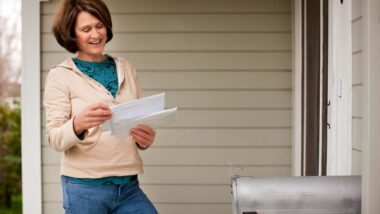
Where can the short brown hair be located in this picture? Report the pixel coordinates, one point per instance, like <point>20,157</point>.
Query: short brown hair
<point>66,15</point>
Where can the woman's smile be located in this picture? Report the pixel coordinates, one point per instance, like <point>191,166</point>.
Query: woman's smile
<point>91,36</point>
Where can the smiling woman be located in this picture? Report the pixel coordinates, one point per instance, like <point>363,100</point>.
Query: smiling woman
<point>74,23</point>
<point>91,35</point>
<point>96,165</point>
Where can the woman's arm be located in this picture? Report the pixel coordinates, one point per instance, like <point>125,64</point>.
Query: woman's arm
<point>59,124</point>
<point>65,130</point>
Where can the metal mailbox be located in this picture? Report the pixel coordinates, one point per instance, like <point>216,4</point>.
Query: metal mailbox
<point>296,195</point>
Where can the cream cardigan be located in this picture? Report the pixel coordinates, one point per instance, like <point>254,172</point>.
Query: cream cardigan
<point>67,92</point>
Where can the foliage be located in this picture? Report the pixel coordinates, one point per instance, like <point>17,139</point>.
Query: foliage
<point>10,71</point>
<point>16,207</point>
<point>10,157</point>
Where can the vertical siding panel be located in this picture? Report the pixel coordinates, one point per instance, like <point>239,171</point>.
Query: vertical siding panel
<point>218,60</point>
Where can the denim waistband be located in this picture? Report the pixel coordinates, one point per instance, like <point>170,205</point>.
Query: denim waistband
<point>103,181</point>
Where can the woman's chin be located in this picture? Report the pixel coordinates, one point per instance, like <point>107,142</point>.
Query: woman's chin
<point>90,55</point>
<point>95,52</point>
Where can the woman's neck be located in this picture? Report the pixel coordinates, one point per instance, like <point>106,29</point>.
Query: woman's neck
<point>91,58</point>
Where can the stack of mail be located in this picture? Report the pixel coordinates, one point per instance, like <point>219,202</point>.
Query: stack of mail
<point>147,111</point>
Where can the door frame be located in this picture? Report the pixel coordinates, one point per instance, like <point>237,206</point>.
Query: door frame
<point>339,149</point>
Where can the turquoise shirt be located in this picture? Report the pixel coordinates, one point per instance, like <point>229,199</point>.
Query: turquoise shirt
<point>105,73</point>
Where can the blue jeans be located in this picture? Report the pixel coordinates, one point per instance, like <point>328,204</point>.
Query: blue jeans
<point>105,199</point>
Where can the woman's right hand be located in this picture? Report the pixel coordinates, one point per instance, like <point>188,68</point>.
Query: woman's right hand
<point>93,115</point>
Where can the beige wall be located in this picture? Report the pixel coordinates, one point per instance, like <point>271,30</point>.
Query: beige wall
<point>371,122</point>
<point>357,87</point>
<point>227,65</point>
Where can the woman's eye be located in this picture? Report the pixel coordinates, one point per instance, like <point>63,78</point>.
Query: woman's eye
<point>99,25</point>
<point>86,29</point>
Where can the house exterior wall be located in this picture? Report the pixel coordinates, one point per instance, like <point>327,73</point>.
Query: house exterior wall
<point>227,65</point>
<point>357,87</point>
<point>371,106</point>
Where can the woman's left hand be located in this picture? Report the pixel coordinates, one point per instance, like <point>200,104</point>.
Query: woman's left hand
<point>143,135</point>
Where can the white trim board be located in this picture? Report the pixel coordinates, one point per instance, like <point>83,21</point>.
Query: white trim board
<point>339,149</point>
<point>297,79</point>
<point>31,108</point>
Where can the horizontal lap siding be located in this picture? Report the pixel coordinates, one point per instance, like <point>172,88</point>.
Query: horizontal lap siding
<point>227,66</point>
<point>195,23</point>
<point>357,87</point>
<point>143,42</point>
<point>218,137</point>
<point>185,6</point>
<point>197,61</point>
<point>161,156</point>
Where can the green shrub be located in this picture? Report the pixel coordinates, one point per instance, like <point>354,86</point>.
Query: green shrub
<point>10,158</point>
<point>16,207</point>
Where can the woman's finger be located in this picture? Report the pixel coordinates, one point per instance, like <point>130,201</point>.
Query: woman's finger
<point>98,112</point>
<point>146,129</point>
<point>99,105</point>
<point>148,137</point>
<point>98,118</point>
<point>139,140</point>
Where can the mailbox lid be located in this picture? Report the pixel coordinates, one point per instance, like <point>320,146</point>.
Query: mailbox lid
<point>331,194</point>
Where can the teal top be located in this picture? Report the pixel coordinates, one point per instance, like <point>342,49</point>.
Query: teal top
<point>105,73</point>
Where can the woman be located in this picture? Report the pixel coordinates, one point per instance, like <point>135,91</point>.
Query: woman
<point>98,171</point>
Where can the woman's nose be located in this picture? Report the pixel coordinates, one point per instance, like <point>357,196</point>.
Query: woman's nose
<point>95,33</point>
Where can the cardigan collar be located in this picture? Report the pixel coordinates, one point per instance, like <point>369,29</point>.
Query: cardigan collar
<point>68,63</point>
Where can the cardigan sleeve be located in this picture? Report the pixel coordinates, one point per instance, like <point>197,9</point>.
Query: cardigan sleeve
<point>59,121</point>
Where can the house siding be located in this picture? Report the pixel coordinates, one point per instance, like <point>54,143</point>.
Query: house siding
<point>357,87</point>
<point>227,66</point>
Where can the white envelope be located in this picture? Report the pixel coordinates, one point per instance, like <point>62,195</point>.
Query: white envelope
<point>155,120</point>
<point>135,108</point>
<point>148,111</point>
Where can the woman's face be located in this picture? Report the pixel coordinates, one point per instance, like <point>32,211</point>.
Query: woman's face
<point>91,37</point>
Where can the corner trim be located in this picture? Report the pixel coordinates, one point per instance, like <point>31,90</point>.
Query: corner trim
<point>339,149</point>
<point>31,108</point>
<point>297,87</point>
